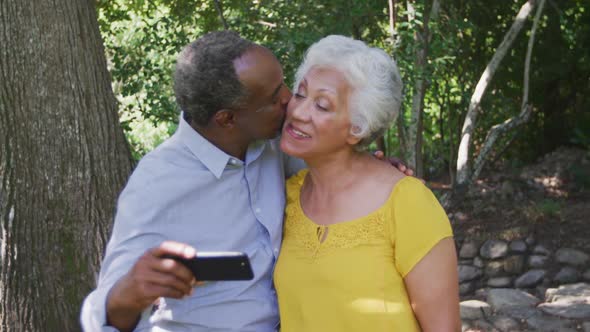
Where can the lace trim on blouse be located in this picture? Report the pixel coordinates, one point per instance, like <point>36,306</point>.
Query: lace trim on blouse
<point>307,235</point>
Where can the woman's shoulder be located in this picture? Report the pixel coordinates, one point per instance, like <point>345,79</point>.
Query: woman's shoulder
<point>384,174</point>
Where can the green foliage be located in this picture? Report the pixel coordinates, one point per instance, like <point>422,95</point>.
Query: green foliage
<point>142,39</point>
<point>549,208</point>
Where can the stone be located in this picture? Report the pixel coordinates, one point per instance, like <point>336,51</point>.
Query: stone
<point>465,326</point>
<point>540,291</point>
<point>469,249</point>
<point>537,261</point>
<point>494,268</point>
<point>530,279</point>
<point>499,282</point>
<point>478,262</point>
<point>465,261</point>
<point>467,273</point>
<point>530,240</point>
<point>571,257</point>
<point>568,301</point>
<point>586,275</point>
<point>580,289</point>
<point>481,293</point>
<point>503,323</point>
<point>514,264</point>
<point>549,324</point>
<point>522,313</point>
<point>482,325</point>
<point>501,298</point>
<point>567,309</point>
<point>518,246</point>
<point>474,309</point>
<point>567,275</point>
<point>492,249</point>
<point>465,288</point>
<point>541,250</point>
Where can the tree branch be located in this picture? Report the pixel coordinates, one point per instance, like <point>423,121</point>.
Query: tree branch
<point>463,175</point>
<point>220,12</point>
<point>525,113</point>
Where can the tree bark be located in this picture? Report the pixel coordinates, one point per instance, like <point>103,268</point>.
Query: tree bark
<point>63,160</point>
<point>463,172</point>
<point>414,137</point>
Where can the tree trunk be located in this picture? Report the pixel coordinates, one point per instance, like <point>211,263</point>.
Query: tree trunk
<point>422,39</point>
<point>63,160</point>
<point>525,112</point>
<point>463,155</point>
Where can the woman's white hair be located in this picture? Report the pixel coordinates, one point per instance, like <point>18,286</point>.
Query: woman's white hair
<point>372,74</point>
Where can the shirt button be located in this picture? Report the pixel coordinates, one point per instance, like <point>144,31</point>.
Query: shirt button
<point>276,250</point>
<point>257,210</point>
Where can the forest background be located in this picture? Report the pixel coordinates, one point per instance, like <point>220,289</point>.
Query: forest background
<point>486,83</point>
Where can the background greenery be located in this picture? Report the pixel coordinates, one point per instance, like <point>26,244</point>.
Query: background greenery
<point>143,37</point>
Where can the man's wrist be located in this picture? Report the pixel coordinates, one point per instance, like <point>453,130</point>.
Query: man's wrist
<point>121,314</point>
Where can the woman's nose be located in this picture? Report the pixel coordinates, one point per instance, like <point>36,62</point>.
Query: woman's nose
<point>298,110</point>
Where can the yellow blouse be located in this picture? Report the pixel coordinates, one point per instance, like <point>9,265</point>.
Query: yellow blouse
<point>353,280</point>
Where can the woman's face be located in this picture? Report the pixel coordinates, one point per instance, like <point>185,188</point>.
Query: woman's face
<point>318,119</point>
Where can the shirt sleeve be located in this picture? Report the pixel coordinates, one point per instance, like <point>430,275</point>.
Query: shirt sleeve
<point>134,232</point>
<point>420,222</point>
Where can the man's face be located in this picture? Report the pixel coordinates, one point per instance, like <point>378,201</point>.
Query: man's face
<point>264,110</point>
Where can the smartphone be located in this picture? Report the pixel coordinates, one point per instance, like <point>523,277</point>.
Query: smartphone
<point>218,265</point>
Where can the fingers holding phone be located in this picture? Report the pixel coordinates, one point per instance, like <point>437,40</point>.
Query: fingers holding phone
<point>169,272</point>
<point>154,275</point>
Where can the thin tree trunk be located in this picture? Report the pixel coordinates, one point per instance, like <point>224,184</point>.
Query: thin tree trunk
<point>414,139</point>
<point>525,112</point>
<point>63,160</point>
<point>401,129</point>
<point>381,144</point>
<point>392,17</point>
<point>463,172</point>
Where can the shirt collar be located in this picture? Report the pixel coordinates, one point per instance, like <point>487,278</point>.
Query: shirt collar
<point>211,156</point>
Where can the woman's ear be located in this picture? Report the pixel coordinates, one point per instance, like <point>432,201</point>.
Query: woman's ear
<point>353,137</point>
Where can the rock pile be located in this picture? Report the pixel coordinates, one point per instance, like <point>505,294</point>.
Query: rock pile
<point>563,309</point>
<point>520,264</point>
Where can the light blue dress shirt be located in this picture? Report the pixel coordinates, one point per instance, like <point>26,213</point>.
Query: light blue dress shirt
<point>188,190</point>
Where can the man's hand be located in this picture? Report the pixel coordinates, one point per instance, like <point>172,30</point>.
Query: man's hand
<point>150,278</point>
<point>395,162</point>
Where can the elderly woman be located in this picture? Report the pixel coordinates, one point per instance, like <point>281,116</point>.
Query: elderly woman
<point>365,248</point>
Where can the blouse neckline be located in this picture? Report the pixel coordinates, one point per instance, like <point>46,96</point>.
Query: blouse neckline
<point>344,222</point>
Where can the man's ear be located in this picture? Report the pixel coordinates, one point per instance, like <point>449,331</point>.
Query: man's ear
<point>224,118</point>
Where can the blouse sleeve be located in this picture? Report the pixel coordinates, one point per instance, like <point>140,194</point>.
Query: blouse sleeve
<point>419,223</point>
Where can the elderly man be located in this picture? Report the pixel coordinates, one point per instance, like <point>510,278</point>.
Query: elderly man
<point>216,185</point>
